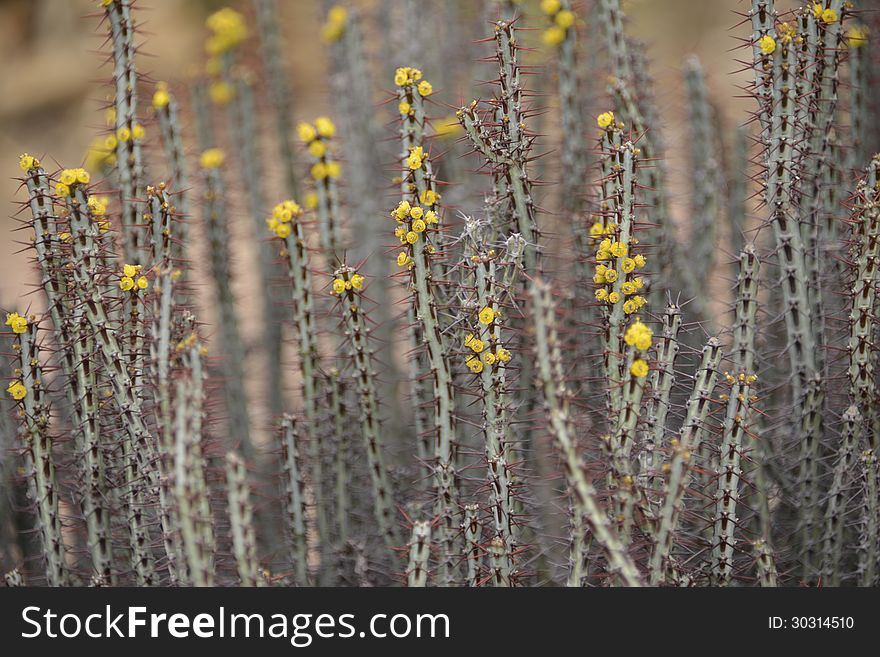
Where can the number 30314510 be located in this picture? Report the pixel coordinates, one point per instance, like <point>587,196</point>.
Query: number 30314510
<point>811,623</point>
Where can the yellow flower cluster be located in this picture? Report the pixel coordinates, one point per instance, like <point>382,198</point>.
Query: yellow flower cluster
<point>447,127</point>
<point>334,28</point>
<point>406,76</point>
<point>315,138</point>
<point>616,274</point>
<point>495,355</point>
<point>282,215</point>
<point>416,157</point>
<point>827,16</point>
<point>227,28</point>
<point>344,283</point>
<point>27,162</point>
<point>130,281</point>
<point>563,20</point>
<point>213,158</point>
<point>136,132</point>
<point>161,97</point>
<point>17,390</point>
<point>412,220</point>
<point>639,336</point>
<point>18,323</point>
<point>98,207</point>
<point>69,178</point>
<point>102,153</point>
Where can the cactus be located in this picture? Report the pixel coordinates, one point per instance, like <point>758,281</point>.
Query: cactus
<point>241,516</point>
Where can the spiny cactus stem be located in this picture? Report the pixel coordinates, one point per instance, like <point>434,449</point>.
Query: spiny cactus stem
<point>683,449</point>
<point>557,404</point>
<point>294,501</point>
<point>44,489</point>
<point>472,531</point>
<point>241,515</point>
<point>419,551</point>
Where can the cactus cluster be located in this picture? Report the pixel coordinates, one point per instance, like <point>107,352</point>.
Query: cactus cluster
<point>508,373</point>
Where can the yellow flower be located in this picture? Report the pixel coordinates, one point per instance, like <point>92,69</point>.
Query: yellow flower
<point>419,226</point>
<point>414,161</point>
<point>283,230</point>
<point>412,237</point>
<point>402,210</point>
<point>28,162</point>
<point>637,281</point>
<point>123,134</point>
<point>357,281</point>
<point>17,390</point>
<point>597,229</point>
<point>477,345</point>
<point>126,283</point>
<point>425,88</point>
<point>628,288</point>
<point>630,306</point>
<point>338,286</point>
<point>403,259</point>
<point>487,315</point>
<point>489,357</point>
<point>18,323</point>
<point>550,7</point>
<point>429,197</point>
<point>611,275</point>
<point>317,148</point>
<point>503,355</point>
<point>221,92</point>
<point>553,36</point>
<point>161,97</point>
<point>319,171</point>
<point>142,282</point>
<point>82,176</point>
<point>605,119</point>
<point>613,297</point>
<point>404,108</point>
<point>110,142</point>
<point>602,294</point>
<point>137,131</point>
<point>640,260</point>
<point>68,177</point>
<point>130,271</point>
<point>311,200</point>
<point>618,249</point>
<point>325,127</point>
<point>829,16</point>
<point>401,76</point>
<point>857,36</point>
<point>416,212</point>
<point>628,265</point>
<point>639,368</point>
<point>431,217</point>
<point>333,169</point>
<point>61,189</point>
<point>306,132</point>
<point>212,158</point>
<point>565,19</point>
<point>337,14</point>
<point>228,29</point>
<point>474,364</point>
<point>638,335</point>
<point>767,44</point>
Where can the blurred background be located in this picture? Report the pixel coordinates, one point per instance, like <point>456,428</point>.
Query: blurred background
<point>55,74</point>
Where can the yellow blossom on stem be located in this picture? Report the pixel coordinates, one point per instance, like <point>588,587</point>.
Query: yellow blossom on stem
<point>123,134</point>
<point>487,315</point>
<point>138,132</point>
<point>639,368</point>
<point>17,390</point>
<point>319,171</point>
<point>640,260</point>
<point>333,169</point>
<point>412,237</point>
<point>553,36</point>
<point>357,281</point>
<point>857,36</point>
<point>311,200</point>
<point>638,335</point>
<point>610,275</point>
<point>325,127</point>
<point>403,259</point>
<point>618,249</point>
<point>161,97</point>
<point>431,217</point>
<point>338,286</point>
<point>126,283</point>
<point>306,132</point>
<point>602,294</point>
<point>317,148</point>
<point>404,108</point>
<point>414,161</point>
<point>142,282</point>
<point>489,358</point>
<point>628,265</point>
<point>18,323</point>
<point>503,355</point>
<point>474,364</point>
<point>212,158</point>
<point>828,16</point>
<point>425,88</point>
<point>28,162</point>
<point>597,230</point>
<point>564,19</point>
<point>613,297</point>
<point>767,44</point>
<point>605,119</point>
<point>429,197</point>
<point>550,7</point>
